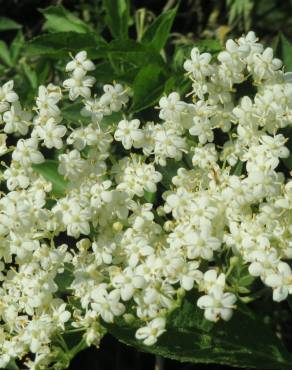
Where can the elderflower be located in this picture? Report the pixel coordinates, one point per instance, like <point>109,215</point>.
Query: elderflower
<point>150,209</point>
<point>152,331</point>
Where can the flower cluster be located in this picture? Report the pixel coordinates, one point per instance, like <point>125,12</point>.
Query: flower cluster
<point>146,211</point>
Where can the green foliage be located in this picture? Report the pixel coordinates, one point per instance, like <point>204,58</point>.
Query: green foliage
<point>158,32</point>
<point>240,9</point>
<point>72,114</point>
<point>49,170</point>
<point>16,48</point>
<point>7,24</point>
<point>285,51</point>
<point>170,172</point>
<point>60,44</point>
<point>117,17</point>
<point>58,19</point>
<point>64,279</point>
<point>245,341</point>
<point>239,277</point>
<point>148,86</point>
<point>132,52</point>
<point>5,54</point>
<point>12,366</point>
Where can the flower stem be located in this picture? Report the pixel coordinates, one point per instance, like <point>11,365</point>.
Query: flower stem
<point>159,363</point>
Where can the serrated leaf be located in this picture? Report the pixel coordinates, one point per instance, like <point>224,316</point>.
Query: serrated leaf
<point>12,365</point>
<point>7,24</point>
<point>133,52</point>
<point>158,32</point>
<point>244,341</point>
<point>148,87</point>
<point>237,170</point>
<point>181,53</point>
<point>287,162</point>
<point>5,54</point>
<point>286,52</point>
<point>246,280</point>
<point>117,17</point>
<point>208,45</point>
<point>169,171</point>
<point>60,44</point>
<point>16,47</point>
<point>105,73</point>
<point>114,118</point>
<point>72,114</point>
<point>31,75</point>
<point>149,197</point>
<point>42,69</point>
<point>59,19</point>
<point>64,279</point>
<point>49,170</point>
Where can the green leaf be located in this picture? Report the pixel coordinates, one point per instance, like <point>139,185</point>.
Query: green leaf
<point>244,341</point>
<point>12,365</point>
<point>133,52</point>
<point>240,10</point>
<point>237,170</point>
<point>286,52</point>
<point>178,82</point>
<point>150,197</point>
<point>42,69</point>
<point>169,171</point>
<point>60,44</point>
<point>114,118</point>
<point>208,45</point>
<point>117,17</point>
<point>104,72</point>
<point>287,162</point>
<point>58,19</point>
<point>158,32</point>
<point>5,54</point>
<point>16,47</point>
<point>181,53</point>
<point>148,87</point>
<point>72,114</point>
<point>7,24</point>
<point>64,279</point>
<point>49,170</point>
<point>31,75</point>
<point>240,276</point>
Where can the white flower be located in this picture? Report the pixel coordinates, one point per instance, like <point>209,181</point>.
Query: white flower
<point>211,279</point>
<point>108,305</point>
<point>80,61</point>
<point>79,84</point>
<point>199,64</point>
<point>205,156</point>
<point>16,120</point>
<point>217,304</point>
<point>201,244</point>
<point>149,334</point>
<point>7,96</point>
<point>47,100</point>
<point>264,64</point>
<point>129,134</point>
<point>71,164</point>
<point>114,97</point>
<point>281,281</point>
<point>51,134</point>
<point>26,152</point>
<point>172,108</point>
<point>127,281</point>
